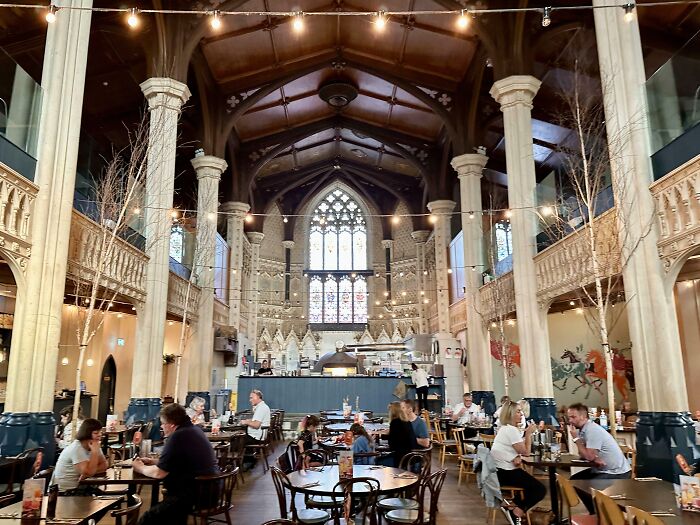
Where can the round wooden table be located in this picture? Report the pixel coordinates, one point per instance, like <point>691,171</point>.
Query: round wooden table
<point>304,481</point>
<point>369,427</point>
<point>223,436</point>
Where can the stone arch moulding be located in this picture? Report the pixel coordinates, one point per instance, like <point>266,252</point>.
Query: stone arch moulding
<point>17,264</point>
<point>675,265</point>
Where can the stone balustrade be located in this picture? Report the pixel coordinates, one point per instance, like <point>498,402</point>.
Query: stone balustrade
<point>458,316</point>
<point>17,196</point>
<point>178,293</point>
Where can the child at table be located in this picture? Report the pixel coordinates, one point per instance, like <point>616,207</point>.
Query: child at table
<point>307,438</point>
<point>362,444</point>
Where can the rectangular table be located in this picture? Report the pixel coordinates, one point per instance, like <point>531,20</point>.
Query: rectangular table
<point>127,477</point>
<point>78,508</point>
<point>566,461</point>
<point>645,495</point>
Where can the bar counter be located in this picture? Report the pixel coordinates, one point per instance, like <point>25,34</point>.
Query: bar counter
<point>311,394</point>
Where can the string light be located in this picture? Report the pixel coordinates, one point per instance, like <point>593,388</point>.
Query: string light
<point>546,16</point>
<point>285,219</point>
<point>629,12</point>
<point>547,211</point>
<point>432,218</point>
<point>51,14</point>
<point>248,218</point>
<point>449,270</point>
<point>471,214</point>
<point>380,21</point>
<point>174,214</point>
<point>463,20</point>
<point>298,22</point>
<point>90,361</point>
<point>215,21</point>
<point>133,18</point>
<point>508,214</point>
<point>395,219</point>
<point>137,211</point>
<point>64,361</point>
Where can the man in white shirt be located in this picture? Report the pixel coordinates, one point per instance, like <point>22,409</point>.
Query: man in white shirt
<point>463,412</point>
<point>255,433</point>
<point>420,379</point>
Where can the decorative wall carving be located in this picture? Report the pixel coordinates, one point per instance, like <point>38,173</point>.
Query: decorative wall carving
<point>17,196</point>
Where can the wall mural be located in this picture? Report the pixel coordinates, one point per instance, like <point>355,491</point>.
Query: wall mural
<point>578,369</point>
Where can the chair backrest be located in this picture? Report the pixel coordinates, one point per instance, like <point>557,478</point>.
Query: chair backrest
<point>487,439</point>
<point>279,521</point>
<point>366,506</point>
<point>416,462</point>
<point>637,516</point>
<point>287,460</point>
<point>9,473</point>
<point>567,493</point>
<point>213,493</point>
<point>431,486</point>
<point>439,437</point>
<point>607,509</point>
<point>314,455</point>
<point>29,465</point>
<point>130,514</point>
<point>279,479</point>
<point>222,451</point>
<point>238,445</point>
<point>458,435</point>
<point>630,454</point>
<point>6,500</point>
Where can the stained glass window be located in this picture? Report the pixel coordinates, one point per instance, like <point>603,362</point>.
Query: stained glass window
<point>504,240</point>
<point>337,243</point>
<point>177,241</point>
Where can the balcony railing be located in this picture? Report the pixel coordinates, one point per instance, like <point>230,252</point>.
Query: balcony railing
<point>17,196</point>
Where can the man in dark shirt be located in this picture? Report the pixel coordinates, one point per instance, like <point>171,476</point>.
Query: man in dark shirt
<point>187,454</point>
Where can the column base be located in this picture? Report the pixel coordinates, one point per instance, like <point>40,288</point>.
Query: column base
<point>543,409</point>
<point>204,395</point>
<point>146,409</point>
<point>660,437</point>
<point>20,431</point>
<point>485,398</point>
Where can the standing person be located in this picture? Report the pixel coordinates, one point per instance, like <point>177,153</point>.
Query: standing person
<point>401,436</point>
<point>362,444</point>
<point>420,429</point>
<point>506,451</point>
<point>420,379</point>
<point>463,412</point>
<point>264,369</point>
<point>81,458</point>
<point>186,455</point>
<point>255,433</point>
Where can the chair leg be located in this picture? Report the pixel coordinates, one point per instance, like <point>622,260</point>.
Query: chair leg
<point>459,479</point>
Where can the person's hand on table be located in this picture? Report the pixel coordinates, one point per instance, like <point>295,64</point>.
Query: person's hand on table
<point>245,422</point>
<point>138,464</point>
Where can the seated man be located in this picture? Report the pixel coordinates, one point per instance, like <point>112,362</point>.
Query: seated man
<point>463,412</point>
<point>255,434</point>
<point>187,454</point>
<point>420,429</point>
<point>596,445</point>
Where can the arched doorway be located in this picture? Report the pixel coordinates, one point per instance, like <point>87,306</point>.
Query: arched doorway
<point>108,384</point>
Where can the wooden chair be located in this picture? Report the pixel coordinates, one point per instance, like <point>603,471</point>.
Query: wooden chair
<point>426,514</point>
<point>447,447</point>
<point>631,455</point>
<point>466,461</point>
<point>6,500</point>
<point>409,501</point>
<point>607,510</point>
<point>121,450</point>
<point>282,485</point>
<point>637,516</point>
<point>130,514</point>
<point>213,495</point>
<point>262,449</point>
<point>569,499</point>
<point>363,509</point>
<point>279,521</point>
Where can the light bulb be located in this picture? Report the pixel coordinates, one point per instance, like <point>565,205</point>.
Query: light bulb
<point>432,218</point>
<point>629,12</point>
<point>248,218</point>
<point>137,211</point>
<point>380,21</point>
<point>426,301</point>
<point>463,20</point>
<point>285,220</point>
<point>449,270</point>
<point>174,214</point>
<point>547,211</point>
<point>508,214</point>
<point>471,214</point>
<point>51,18</point>
<point>90,361</point>
<point>395,220</point>
<point>546,16</point>
<point>133,18</point>
<point>215,21</point>
<point>64,361</point>
<point>298,23</point>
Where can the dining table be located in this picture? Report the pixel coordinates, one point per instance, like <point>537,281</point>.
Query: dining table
<point>223,436</point>
<point>122,473</point>
<point>70,510</point>
<point>369,427</point>
<point>322,480</point>
<point>551,464</point>
<point>650,494</point>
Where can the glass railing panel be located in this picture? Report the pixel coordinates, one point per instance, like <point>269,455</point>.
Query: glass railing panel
<point>20,106</point>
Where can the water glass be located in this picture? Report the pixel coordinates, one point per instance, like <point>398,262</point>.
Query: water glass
<point>145,448</point>
<point>117,471</point>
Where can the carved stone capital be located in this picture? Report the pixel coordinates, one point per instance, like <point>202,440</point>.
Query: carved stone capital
<point>515,90</point>
<point>165,92</point>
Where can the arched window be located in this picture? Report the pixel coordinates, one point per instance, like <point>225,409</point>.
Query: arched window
<point>177,243</point>
<point>338,261</point>
<point>504,240</point>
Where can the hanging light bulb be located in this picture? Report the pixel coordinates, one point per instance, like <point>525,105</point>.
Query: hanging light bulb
<point>380,21</point>
<point>133,18</point>
<point>51,14</point>
<point>508,214</point>
<point>64,361</point>
<point>395,219</point>
<point>298,22</point>
<point>215,21</point>
<point>547,211</point>
<point>546,16</point>
<point>248,218</point>
<point>137,211</point>
<point>471,214</point>
<point>90,361</point>
<point>629,11</point>
<point>463,20</point>
<point>285,219</point>
<point>432,218</point>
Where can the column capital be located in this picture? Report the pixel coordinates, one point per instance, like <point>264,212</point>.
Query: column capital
<point>469,164</point>
<point>288,244</point>
<point>166,92</point>
<point>208,166</point>
<point>235,208</point>
<point>515,90</point>
<point>387,243</point>
<point>255,237</point>
<point>444,207</point>
<point>420,236</point>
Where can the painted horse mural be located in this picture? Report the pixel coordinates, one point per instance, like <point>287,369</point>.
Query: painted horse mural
<point>512,356</point>
<point>591,372</point>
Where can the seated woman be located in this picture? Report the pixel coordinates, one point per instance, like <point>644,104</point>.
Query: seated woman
<point>64,431</point>
<point>307,439</point>
<point>401,437</point>
<point>506,450</point>
<point>81,459</point>
<point>196,411</point>
<point>362,444</point>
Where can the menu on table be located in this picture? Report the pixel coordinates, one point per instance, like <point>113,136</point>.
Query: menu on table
<point>688,493</point>
<point>32,498</point>
<point>345,464</point>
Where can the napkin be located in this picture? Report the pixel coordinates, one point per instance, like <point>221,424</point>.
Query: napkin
<point>405,476</point>
<point>652,478</point>
<point>307,485</point>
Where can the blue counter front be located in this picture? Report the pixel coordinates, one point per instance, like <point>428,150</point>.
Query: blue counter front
<point>308,395</point>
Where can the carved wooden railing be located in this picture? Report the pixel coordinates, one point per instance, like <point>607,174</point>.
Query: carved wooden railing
<point>677,198</point>
<point>17,196</point>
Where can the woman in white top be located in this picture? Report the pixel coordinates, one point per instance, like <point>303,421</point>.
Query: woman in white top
<point>506,450</point>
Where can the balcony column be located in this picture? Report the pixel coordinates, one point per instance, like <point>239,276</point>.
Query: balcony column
<point>420,237</point>
<point>235,221</point>
<point>29,401</point>
<point>664,428</point>
<point>469,168</point>
<point>515,94</point>
<point>209,170</point>
<point>454,378</point>
<point>255,239</point>
<point>165,98</point>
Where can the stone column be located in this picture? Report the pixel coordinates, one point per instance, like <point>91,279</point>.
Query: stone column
<point>469,168</point>
<point>454,379</point>
<point>255,239</point>
<point>420,237</point>
<point>515,94</point>
<point>664,428</point>
<point>209,170</point>
<point>31,376</point>
<point>165,98</point>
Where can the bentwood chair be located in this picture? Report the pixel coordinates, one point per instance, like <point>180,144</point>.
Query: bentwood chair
<point>637,516</point>
<point>130,514</point>
<point>569,499</point>
<point>428,497</point>
<point>282,486</point>
<point>357,510</point>
<point>262,449</point>
<point>607,510</point>
<point>213,495</point>
<point>279,521</point>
